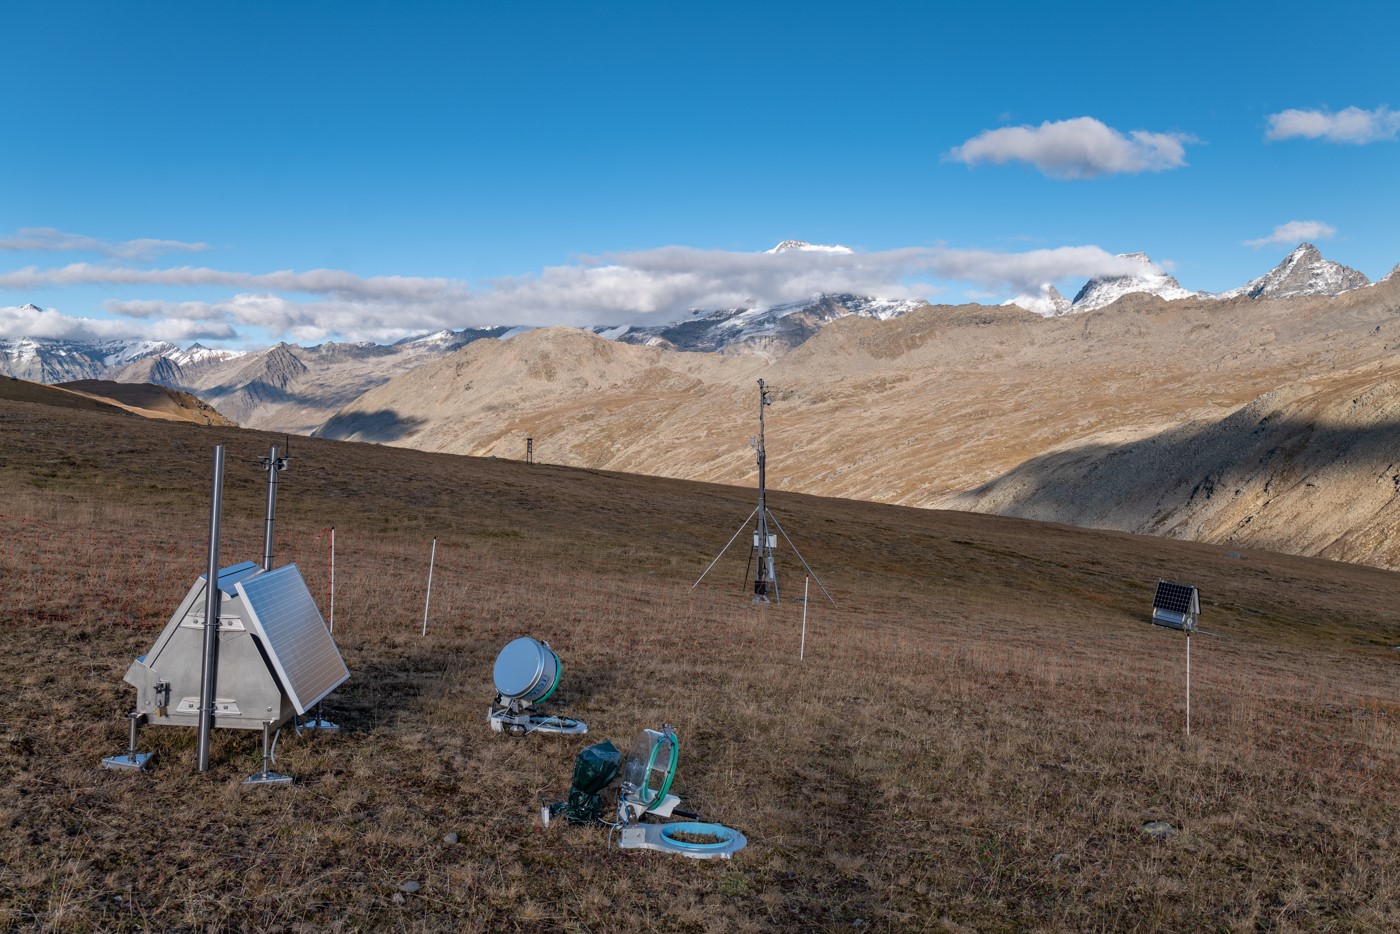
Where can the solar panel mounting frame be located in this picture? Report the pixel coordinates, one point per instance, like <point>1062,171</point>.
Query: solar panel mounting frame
<point>1176,606</point>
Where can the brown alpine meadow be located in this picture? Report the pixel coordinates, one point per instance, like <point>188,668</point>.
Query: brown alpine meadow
<point>981,728</point>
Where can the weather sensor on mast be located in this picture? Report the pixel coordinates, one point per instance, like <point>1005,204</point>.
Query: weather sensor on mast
<point>765,543</point>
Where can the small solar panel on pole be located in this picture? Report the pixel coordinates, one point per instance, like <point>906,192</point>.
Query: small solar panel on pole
<point>1178,606</point>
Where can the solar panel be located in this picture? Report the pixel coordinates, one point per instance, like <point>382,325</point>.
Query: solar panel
<point>295,636</point>
<point>230,576</point>
<point>1179,598</point>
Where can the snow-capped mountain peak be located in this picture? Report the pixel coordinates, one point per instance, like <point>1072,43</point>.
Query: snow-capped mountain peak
<point>802,246</point>
<point>130,351</point>
<point>762,328</point>
<point>1048,302</point>
<point>196,354</point>
<point>1105,290</point>
<point>1302,272</point>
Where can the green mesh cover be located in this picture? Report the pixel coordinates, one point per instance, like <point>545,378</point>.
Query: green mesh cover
<point>594,769</point>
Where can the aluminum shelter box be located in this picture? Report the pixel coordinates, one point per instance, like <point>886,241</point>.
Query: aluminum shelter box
<point>1176,606</point>
<point>276,658</point>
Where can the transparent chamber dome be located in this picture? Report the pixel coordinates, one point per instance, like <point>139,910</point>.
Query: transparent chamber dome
<point>651,765</point>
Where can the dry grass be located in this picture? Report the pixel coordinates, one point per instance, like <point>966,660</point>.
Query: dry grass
<point>980,729</point>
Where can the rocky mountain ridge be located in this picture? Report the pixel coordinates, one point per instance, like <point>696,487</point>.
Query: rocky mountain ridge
<point>978,408</point>
<point>1302,272</point>
<point>766,330</point>
<point>293,388</point>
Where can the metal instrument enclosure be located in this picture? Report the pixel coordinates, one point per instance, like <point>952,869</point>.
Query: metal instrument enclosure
<point>276,658</point>
<point>1176,606</point>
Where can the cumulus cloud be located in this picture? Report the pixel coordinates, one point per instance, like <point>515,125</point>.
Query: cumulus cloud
<point>49,240</point>
<point>1352,125</point>
<point>642,287</point>
<point>1074,149</point>
<point>1293,233</point>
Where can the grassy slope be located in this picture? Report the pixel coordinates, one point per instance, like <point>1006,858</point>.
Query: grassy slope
<point>981,726</point>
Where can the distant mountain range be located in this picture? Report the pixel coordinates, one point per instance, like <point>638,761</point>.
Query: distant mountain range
<point>1303,272</point>
<point>294,388</point>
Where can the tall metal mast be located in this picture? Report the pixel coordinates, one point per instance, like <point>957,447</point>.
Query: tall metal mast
<point>765,543</point>
<point>209,672</point>
<point>765,575</point>
<point>273,465</point>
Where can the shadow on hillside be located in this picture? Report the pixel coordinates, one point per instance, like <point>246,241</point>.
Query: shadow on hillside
<point>384,425</point>
<point>1242,463</point>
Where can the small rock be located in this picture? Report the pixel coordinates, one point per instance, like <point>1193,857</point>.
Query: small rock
<point>410,887</point>
<point>451,837</point>
<point>398,898</point>
<point>1158,829</point>
<point>1057,860</point>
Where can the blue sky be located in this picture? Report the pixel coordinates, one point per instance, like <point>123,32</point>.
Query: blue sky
<point>239,173</point>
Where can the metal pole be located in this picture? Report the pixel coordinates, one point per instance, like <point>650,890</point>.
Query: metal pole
<point>209,676</point>
<point>429,598</point>
<point>332,580</point>
<point>274,465</point>
<point>766,574</point>
<point>802,646</point>
<point>1188,683</point>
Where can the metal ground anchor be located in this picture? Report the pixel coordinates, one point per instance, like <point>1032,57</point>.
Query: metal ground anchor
<point>316,723</point>
<point>132,761</point>
<point>266,776</point>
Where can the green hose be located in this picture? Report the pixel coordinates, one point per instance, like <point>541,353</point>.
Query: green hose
<point>660,796</point>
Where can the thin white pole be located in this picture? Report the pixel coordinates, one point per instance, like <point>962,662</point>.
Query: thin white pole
<point>1188,684</point>
<point>429,598</point>
<point>802,646</point>
<point>332,580</point>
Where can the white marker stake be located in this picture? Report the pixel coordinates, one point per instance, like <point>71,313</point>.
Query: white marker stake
<point>429,598</point>
<point>1188,684</point>
<point>802,646</point>
<point>332,580</point>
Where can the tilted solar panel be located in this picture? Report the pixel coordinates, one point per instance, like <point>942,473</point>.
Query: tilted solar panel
<point>1174,597</point>
<point>285,617</point>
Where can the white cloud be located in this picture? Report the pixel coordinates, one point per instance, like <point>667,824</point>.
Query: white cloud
<point>318,281</point>
<point>47,240</point>
<point>644,287</point>
<point>1078,148</point>
<point>1293,233</point>
<point>1352,125</point>
<point>29,321</point>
